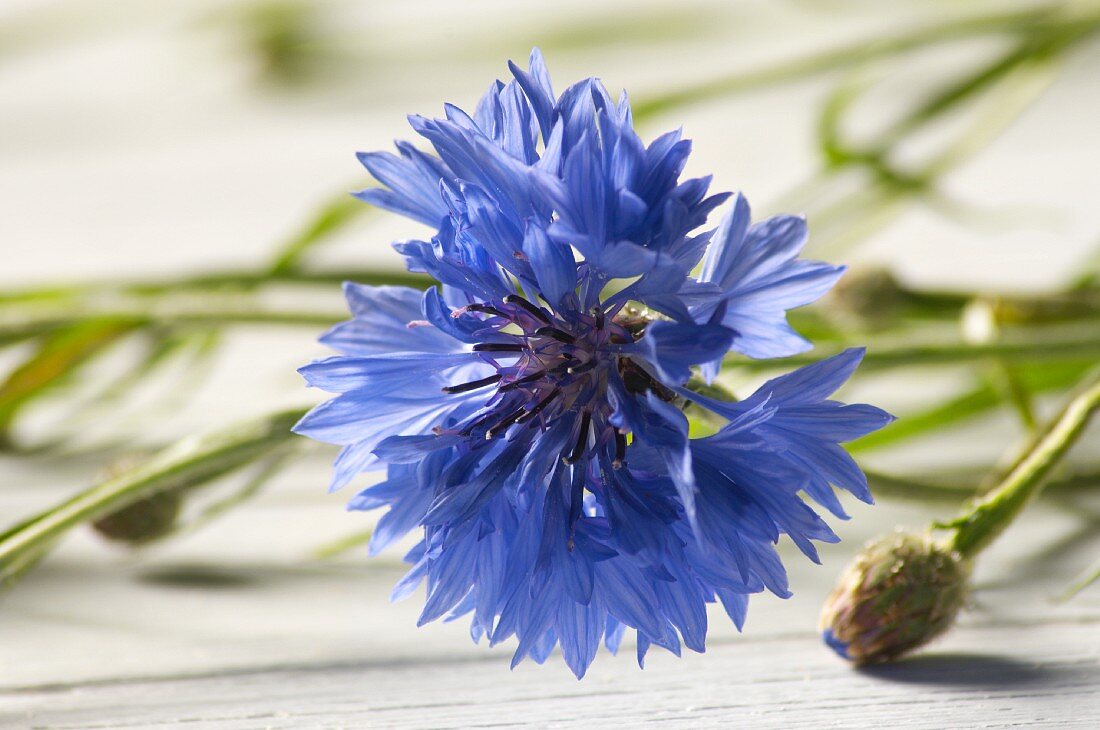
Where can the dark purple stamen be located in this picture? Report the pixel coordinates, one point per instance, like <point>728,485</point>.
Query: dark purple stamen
<point>498,347</point>
<point>525,305</point>
<point>503,424</point>
<point>582,439</point>
<point>557,334</point>
<point>522,381</point>
<point>473,384</point>
<point>620,450</point>
<point>486,309</point>
<point>539,407</point>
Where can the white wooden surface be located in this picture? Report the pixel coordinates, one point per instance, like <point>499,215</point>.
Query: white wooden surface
<point>1046,680</point>
<point>131,140</point>
<point>234,627</point>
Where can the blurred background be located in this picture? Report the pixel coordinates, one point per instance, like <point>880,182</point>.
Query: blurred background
<point>174,223</point>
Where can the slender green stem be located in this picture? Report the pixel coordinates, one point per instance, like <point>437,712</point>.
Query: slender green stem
<point>189,462</point>
<point>1051,348</point>
<point>256,278</point>
<point>987,518</point>
<point>1016,393</point>
<point>225,280</point>
<point>865,50</point>
<point>269,468</point>
<point>955,486</point>
<point>197,317</point>
<point>1087,577</point>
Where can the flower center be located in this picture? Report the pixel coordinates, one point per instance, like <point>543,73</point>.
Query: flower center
<point>552,366</point>
<point>546,366</point>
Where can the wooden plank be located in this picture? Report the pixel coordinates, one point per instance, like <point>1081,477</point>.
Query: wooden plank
<point>1041,676</point>
<point>216,632</point>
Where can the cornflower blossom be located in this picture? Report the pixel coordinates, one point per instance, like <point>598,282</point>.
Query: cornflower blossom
<point>530,410</point>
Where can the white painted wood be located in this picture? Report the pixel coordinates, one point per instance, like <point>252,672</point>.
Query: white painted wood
<point>1044,676</point>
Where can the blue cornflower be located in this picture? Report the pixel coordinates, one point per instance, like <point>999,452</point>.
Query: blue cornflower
<point>529,411</point>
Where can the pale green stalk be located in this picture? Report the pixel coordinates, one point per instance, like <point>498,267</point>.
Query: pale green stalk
<point>987,518</point>
<point>189,462</point>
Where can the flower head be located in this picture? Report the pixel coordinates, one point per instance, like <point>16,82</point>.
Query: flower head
<point>530,410</point>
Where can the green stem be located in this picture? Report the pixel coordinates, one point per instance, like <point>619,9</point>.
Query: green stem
<point>342,545</point>
<point>1052,348</point>
<point>232,280</point>
<point>251,279</point>
<point>863,51</point>
<point>1087,577</point>
<point>1016,392</point>
<point>951,487</point>
<point>987,518</point>
<point>189,462</point>
<point>33,326</point>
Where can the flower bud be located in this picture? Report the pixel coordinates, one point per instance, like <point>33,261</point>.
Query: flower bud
<point>900,592</point>
<point>871,296</point>
<point>145,520</point>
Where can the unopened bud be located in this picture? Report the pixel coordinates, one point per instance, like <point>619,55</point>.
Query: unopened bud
<point>145,520</point>
<point>870,295</point>
<point>900,592</point>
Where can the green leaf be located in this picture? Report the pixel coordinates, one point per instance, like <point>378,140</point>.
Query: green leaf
<point>834,150</point>
<point>1083,581</point>
<point>57,357</point>
<point>981,399</point>
<point>331,218</point>
<point>268,469</point>
<point>1089,279</point>
<point>1016,392</point>
<point>342,545</point>
<point>160,346</point>
<point>950,95</point>
<point>699,425</point>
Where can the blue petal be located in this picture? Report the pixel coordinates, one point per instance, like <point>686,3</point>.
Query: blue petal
<point>385,322</point>
<point>816,382</point>
<point>673,347</point>
<point>553,265</point>
<point>727,246</point>
<point>341,374</point>
<point>413,182</point>
<point>536,85</point>
<point>760,280</point>
<point>353,418</point>
<point>663,427</point>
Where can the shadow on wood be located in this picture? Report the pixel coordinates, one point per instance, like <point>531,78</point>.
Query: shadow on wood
<point>987,672</point>
<point>207,577</point>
